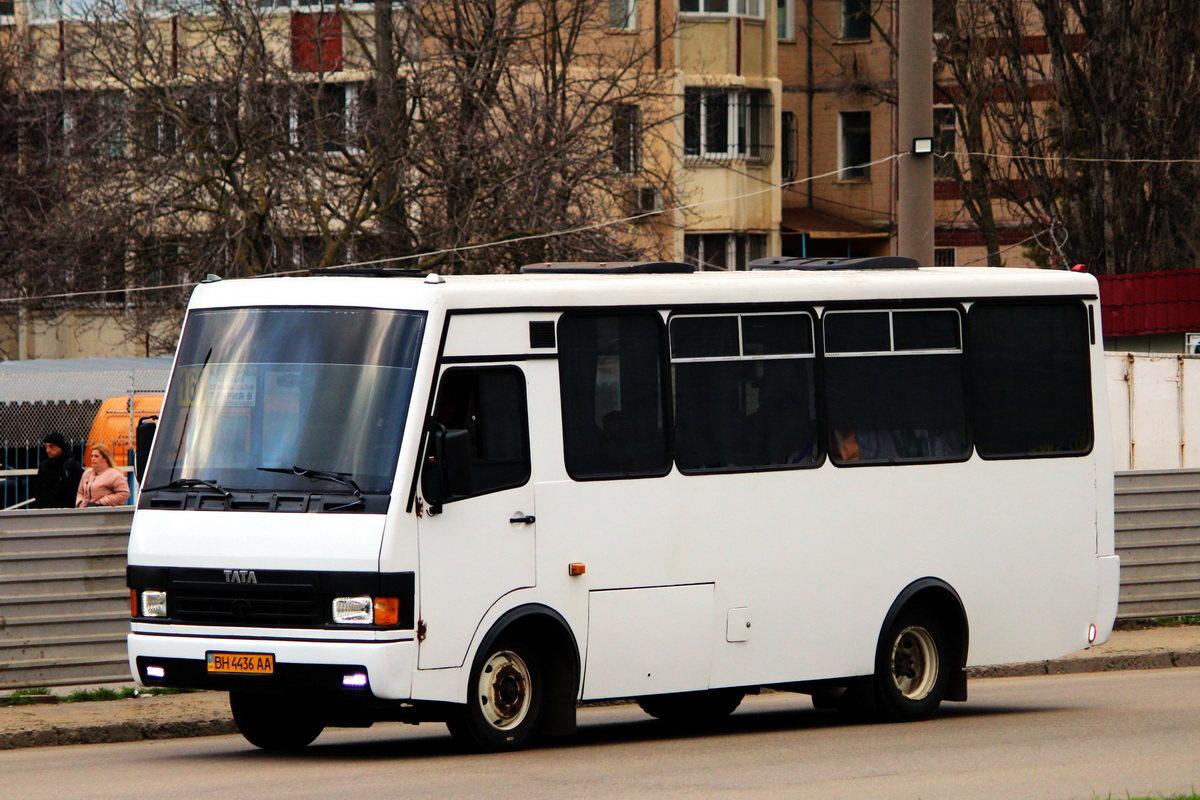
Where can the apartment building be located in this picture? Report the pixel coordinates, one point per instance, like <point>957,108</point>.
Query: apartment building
<point>749,128</point>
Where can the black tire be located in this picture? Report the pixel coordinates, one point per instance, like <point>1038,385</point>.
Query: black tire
<point>912,666</point>
<point>505,696</point>
<point>275,721</point>
<point>692,708</point>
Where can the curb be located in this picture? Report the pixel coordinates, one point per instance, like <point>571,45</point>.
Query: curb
<point>1074,666</point>
<point>116,732</point>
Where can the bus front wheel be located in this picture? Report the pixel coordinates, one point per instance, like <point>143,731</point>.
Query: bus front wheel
<point>504,703</point>
<point>274,722</point>
<point>911,667</point>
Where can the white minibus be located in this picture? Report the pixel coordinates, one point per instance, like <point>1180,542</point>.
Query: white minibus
<point>382,495</point>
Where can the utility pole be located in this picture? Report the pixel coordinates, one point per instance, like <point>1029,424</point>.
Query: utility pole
<point>915,121</point>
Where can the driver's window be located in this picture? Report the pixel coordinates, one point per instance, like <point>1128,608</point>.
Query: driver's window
<point>488,403</point>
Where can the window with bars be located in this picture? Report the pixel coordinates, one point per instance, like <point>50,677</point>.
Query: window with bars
<point>723,251</point>
<point>728,124</point>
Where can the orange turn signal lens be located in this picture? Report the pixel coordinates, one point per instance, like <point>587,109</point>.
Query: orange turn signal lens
<point>387,610</point>
<point>575,570</point>
<point>133,603</point>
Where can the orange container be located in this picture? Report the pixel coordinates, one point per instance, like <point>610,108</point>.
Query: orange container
<point>115,426</point>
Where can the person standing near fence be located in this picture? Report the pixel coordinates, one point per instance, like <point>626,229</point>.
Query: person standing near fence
<point>103,484</point>
<point>57,479</point>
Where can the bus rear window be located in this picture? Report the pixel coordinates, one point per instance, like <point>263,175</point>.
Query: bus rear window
<point>1030,380</point>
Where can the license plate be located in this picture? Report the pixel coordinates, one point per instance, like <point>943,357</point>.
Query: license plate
<point>242,663</point>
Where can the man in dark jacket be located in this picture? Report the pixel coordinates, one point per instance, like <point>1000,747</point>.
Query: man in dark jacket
<point>58,476</point>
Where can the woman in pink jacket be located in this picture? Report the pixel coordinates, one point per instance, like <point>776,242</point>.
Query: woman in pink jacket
<point>103,484</point>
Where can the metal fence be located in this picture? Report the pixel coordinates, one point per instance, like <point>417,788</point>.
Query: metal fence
<point>64,608</point>
<point>102,406</point>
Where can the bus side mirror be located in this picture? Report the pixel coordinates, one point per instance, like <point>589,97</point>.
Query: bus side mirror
<point>447,473</point>
<point>143,438</point>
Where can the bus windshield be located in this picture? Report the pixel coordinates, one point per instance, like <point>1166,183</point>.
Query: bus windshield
<point>258,391</point>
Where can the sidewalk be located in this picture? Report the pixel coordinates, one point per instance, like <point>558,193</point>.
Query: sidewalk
<point>207,713</point>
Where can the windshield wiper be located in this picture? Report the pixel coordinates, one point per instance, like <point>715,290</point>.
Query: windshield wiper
<point>191,483</point>
<point>318,475</point>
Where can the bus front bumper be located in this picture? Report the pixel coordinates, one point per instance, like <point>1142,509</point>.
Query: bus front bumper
<point>380,669</point>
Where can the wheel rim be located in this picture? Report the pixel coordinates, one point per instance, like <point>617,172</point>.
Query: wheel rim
<point>504,690</point>
<point>914,663</point>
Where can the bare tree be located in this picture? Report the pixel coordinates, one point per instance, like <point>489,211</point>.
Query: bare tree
<point>1096,99</point>
<point>156,143</point>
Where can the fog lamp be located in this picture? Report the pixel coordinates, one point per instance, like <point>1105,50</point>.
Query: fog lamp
<point>154,603</point>
<point>353,610</point>
<point>155,672</point>
<point>354,680</point>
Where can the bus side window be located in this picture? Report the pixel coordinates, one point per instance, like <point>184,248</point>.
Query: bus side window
<point>611,383</point>
<point>745,396</point>
<point>488,403</point>
<point>894,386</point>
<point>1030,380</point>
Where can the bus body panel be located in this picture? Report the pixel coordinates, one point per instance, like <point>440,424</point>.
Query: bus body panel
<point>255,540</point>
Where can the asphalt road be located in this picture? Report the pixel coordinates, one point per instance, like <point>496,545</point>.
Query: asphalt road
<point>1066,737</point>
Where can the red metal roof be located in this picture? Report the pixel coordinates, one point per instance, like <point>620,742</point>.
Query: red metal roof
<point>1150,302</point>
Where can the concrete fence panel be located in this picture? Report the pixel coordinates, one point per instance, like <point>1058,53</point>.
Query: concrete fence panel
<point>64,607</point>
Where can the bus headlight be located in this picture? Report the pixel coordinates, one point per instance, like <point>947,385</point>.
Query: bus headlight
<point>353,610</point>
<point>154,603</point>
<point>366,610</point>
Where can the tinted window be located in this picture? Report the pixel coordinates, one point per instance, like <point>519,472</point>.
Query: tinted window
<point>888,405</point>
<point>610,373</point>
<point>754,409</point>
<point>490,405</point>
<point>1030,379</point>
<point>858,332</point>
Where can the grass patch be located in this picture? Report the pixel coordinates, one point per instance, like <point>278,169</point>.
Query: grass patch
<point>1188,796</point>
<point>1158,622</point>
<point>24,697</point>
<point>103,693</point>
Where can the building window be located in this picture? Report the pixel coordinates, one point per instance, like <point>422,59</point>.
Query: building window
<point>727,124</point>
<point>855,144</point>
<point>741,8</point>
<point>627,137</point>
<point>945,139</point>
<point>785,20</point>
<point>320,118</point>
<point>856,19</point>
<point>945,256</point>
<point>622,15</point>
<point>723,251</point>
<point>790,142</point>
<point>7,11</point>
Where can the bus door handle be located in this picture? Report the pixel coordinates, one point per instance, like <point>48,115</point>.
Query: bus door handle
<point>522,519</point>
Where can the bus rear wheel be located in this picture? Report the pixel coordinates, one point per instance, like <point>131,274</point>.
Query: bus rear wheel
<point>274,721</point>
<point>692,708</point>
<point>504,704</point>
<point>911,667</point>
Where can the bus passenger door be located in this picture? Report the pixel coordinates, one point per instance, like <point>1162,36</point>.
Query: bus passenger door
<point>480,545</point>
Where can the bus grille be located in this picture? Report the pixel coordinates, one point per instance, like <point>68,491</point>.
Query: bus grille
<point>255,609</point>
